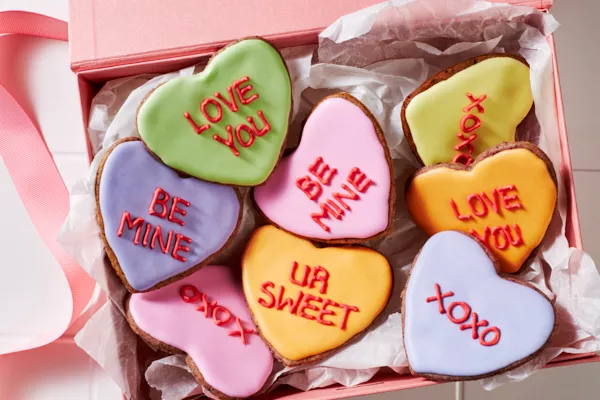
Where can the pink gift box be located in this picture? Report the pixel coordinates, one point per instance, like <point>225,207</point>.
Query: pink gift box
<point>113,39</point>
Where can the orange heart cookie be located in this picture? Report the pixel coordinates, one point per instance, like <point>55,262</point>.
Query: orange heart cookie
<point>308,301</point>
<point>506,198</point>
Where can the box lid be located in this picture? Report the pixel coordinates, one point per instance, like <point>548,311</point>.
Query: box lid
<point>108,33</point>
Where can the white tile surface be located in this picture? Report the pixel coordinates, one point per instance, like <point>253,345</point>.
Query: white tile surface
<point>438,392</point>
<point>587,186</point>
<point>72,167</point>
<point>579,61</point>
<point>59,371</point>
<point>39,77</point>
<point>576,382</point>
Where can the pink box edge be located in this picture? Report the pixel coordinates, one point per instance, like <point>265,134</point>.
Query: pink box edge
<point>94,46</point>
<point>381,382</point>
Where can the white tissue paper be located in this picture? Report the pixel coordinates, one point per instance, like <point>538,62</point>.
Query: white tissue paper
<point>379,55</point>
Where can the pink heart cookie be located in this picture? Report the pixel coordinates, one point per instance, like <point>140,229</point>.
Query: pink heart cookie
<point>336,187</point>
<point>205,316</point>
<point>461,320</point>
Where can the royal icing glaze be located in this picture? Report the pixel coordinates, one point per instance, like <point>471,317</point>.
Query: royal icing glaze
<point>337,181</point>
<point>307,301</point>
<point>475,109</point>
<point>461,319</point>
<point>506,200</point>
<point>157,224</point>
<point>205,316</point>
<point>226,124</point>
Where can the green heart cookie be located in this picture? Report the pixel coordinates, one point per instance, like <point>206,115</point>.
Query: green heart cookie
<point>226,124</point>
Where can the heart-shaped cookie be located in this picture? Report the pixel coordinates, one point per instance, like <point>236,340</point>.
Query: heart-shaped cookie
<point>158,226</point>
<point>338,180</point>
<point>506,198</point>
<point>464,110</point>
<point>226,124</point>
<point>461,320</point>
<point>205,316</point>
<point>308,301</point>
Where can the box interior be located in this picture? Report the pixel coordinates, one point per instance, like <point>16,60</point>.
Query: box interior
<point>90,82</point>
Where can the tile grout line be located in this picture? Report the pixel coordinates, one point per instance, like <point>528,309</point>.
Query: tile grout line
<point>459,391</point>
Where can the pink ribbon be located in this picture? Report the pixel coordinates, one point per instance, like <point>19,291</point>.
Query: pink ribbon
<point>31,165</point>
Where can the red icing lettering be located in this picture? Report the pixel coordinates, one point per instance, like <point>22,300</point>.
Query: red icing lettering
<point>497,233</point>
<point>335,206</point>
<point>179,247</point>
<point>322,171</point>
<point>466,142</point>
<point>265,289</point>
<point>466,312</point>
<point>457,213</point>
<point>160,197</point>
<point>476,123</point>
<point>150,238</point>
<point>350,196</point>
<point>241,332</point>
<point>468,123</point>
<point>495,203</point>
<point>174,210</point>
<point>508,200</point>
<point>319,274</point>
<point>197,129</point>
<point>231,104</point>
<point>302,302</point>
<point>474,325</point>
<point>189,293</point>
<point>266,127</point>
<point>324,311</point>
<point>158,234</point>
<point>250,132</point>
<point>146,235</point>
<point>358,180</point>
<point>306,305</point>
<point>347,310</point>
<point>486,234</point>
<point>137,223</point>
<point>220,315</point>
<point>503,236</point>
<point>518,240</point>
<point>206,306</point>
<point>473,199</point>
<point>464,159</point>
<point>215,114</point>
<point>225,318</point>
<point>492,342</point>
<point>479,202</point>
<point>292,305</point>
<point>241,91</point>
<point>475,103</point>
<point>311,188</point>
<point>203,108</point>
<point>329,209</point>
<point>304,278</point>
<point>229,141</point>
<point>439,297</point>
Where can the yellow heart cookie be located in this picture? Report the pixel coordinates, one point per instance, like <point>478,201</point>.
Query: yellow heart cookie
<point>506,199</point>
<point>464,110</point>
<point>308,301</point>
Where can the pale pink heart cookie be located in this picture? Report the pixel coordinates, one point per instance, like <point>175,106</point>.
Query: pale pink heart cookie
<point>337,185</point>
<point>461,320</point>
<point>205,316</point>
